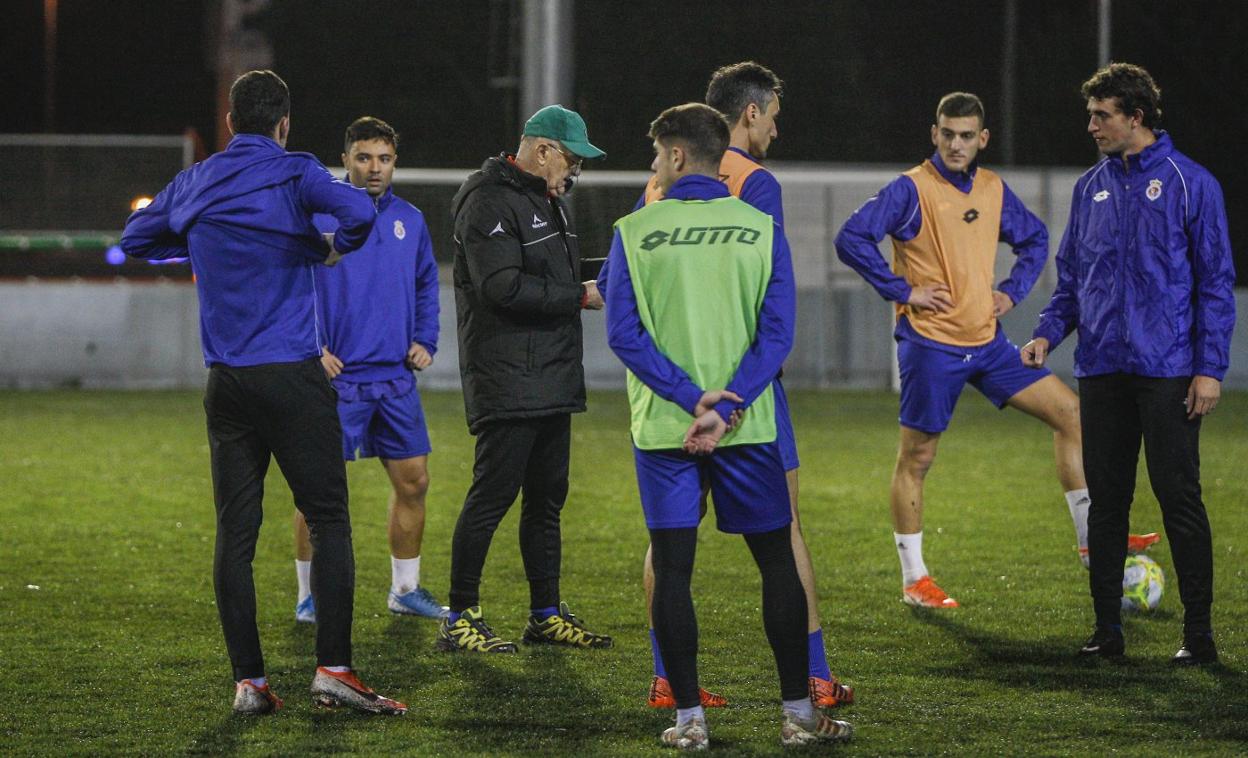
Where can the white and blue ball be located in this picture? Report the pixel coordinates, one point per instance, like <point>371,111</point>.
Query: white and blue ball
<point>1143,581</point>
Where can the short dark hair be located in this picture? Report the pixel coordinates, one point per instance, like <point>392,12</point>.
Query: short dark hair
<point>258,100</point>
<point>368,128</point>
<point>733,88</point>
<point>1131,85</point>
<point>700,129</point>
<point>961,105</point>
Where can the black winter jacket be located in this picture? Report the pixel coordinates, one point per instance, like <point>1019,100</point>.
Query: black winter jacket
<point>517,298</point>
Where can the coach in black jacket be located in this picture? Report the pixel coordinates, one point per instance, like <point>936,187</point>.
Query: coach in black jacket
<point>518,300</point>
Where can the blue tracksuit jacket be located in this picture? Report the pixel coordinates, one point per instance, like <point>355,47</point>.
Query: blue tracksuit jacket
<point>244,216</point>
<point>1144,269</point>
<point>374,304</point>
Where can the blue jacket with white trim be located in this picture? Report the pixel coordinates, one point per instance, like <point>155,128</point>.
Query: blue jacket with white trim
<point>1144,269</point>
<point>373,305</point>
<point>244,216</point>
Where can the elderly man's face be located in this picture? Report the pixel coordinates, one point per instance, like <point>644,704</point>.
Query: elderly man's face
<point>559,165</point>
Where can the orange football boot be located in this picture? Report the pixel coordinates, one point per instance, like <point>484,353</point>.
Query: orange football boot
<point>661,696</point>
<point>1138,543</point>
<point>829,693</point>
<point>926,594</point>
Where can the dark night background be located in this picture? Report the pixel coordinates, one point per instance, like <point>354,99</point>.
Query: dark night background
<point>862,78</point>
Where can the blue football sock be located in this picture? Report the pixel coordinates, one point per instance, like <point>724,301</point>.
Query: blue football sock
<point>258,681</point>
<point>544,613</point>
<point>453,616</point>
<point>658,657</point>
<point>818,658</point>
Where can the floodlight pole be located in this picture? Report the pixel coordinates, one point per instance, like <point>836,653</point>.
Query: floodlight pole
<point>238,49</point>
<point>1009,64</point>
<point>49,65</point>
<point>546,62</point>
<point>1104,28</point>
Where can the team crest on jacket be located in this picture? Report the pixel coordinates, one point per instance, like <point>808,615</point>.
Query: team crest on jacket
<point>399,230</point>
<point>1154,189</point>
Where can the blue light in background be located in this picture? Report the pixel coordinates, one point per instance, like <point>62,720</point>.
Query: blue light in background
<point>114,256</point>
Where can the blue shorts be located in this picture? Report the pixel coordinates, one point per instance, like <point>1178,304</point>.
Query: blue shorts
<point>381,420</point>
<point>747,487</point>
<point>784,428</point>
<point>932,377</point>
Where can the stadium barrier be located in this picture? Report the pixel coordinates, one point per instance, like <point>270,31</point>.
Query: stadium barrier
<point>128,333</point>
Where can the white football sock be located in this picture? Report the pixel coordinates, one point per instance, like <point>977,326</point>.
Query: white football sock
<point>404,574</point>
<point>303,572</point>
<point>685,715</point>
<point>1078,501</point>
<point>802,709</point>
<point>910,551</point>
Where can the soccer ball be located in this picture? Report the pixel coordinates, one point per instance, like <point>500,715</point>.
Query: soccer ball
<point>1142,584</point>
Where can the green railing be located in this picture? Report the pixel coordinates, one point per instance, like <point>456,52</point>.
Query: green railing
<point>59,241</point>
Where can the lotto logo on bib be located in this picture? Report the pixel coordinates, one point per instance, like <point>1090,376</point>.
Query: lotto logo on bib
<point>1154,189</point>
<point>399,230</point>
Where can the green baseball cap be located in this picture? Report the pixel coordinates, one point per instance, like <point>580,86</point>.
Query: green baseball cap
<point>558,123</point>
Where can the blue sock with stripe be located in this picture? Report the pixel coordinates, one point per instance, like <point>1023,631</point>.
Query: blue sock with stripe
<point>818,658</point>
<point>659,670</point>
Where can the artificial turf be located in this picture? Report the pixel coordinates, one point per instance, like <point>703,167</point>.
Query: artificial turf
<point>110,641</point>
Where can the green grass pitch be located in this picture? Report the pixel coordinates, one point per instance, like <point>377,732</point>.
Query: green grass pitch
<point>110,642</point>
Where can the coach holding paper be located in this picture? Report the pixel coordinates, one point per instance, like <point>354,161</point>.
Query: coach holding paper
<point>244,216</point>
<point>518,301</point>
<point>1145,275</point>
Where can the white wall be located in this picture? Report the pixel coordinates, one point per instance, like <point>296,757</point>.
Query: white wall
<point>138,335</point>
<point>125,334</point>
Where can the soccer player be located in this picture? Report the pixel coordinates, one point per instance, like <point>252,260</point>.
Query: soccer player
<point>946,217</point>
<point>748,94</point>
<point>702,311</point>
<point>1145,275</point>
<point>244,216</point>
<point>379,310</point>
<point>518,300</point>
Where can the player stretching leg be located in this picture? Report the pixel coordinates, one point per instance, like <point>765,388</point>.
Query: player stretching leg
<point>748,94</point>
<point>715,311</point>
<point>945,217</point>
<point>380,320</point>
